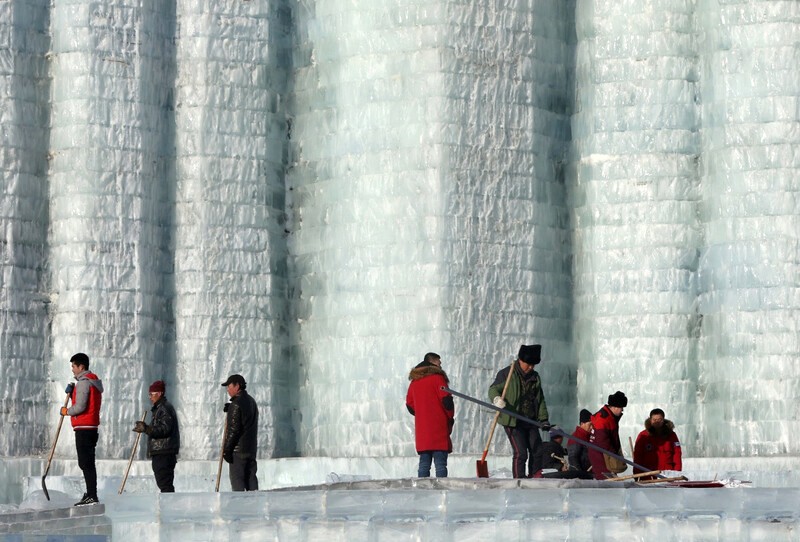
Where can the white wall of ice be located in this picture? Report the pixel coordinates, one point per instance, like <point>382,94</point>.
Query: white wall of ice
<point>24,112</point>
<point>749,272</point>
<point>634,208</point>
<point>230,303</point>
<point>316,193</point>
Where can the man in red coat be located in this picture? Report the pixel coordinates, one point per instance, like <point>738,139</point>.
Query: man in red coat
<point>605,433</point>
<point>658,447</point>
<point>433,412</point>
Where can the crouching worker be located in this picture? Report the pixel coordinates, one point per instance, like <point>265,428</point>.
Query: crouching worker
<point>164,437</point>
<point>552,460</point>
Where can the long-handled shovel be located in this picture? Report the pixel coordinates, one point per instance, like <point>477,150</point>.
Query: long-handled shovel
<point>133,454</point>
<point>554,429</point>
<point>481,465</point>
<point>221,454</point>
<point>53,449</point>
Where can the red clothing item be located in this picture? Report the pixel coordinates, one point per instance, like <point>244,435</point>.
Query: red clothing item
<point>658,449</point>
<point>605,433</point>
<point>89,417</point>
<point>432,408</point>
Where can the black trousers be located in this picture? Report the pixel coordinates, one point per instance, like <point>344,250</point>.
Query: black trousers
<point>243,473</point>
<point>86,444</point>
<point>525,442</point>
<point>164,471</point>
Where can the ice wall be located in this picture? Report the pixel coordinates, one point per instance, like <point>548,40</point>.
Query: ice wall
<point>366,205</point>
<point>504,232</point>
<point>750,268</point>
<point>316,193</point>
<point>231,306</point>
<point>634,209</point>
<point>109,144</point>
<point>429,208</point>
<point>24,298</point>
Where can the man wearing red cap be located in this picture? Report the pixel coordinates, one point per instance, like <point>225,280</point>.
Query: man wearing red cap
<point>164,437</point>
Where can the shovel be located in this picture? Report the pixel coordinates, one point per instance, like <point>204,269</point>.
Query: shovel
<point>133,454</point>
<point>221,454</point>
<point>481,465</point>
<point>53,450</point>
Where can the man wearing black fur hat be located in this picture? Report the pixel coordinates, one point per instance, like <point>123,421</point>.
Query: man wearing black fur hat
<point>524,396</point>
<point>605,433</point>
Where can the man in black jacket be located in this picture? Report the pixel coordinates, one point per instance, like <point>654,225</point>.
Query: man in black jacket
<point>164,437</point>
<point>241,440</point>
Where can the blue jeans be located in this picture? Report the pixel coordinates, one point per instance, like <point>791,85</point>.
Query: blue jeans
<point>439,458</point>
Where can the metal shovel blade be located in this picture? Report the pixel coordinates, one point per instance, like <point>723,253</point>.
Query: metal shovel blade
<point>44,488</point>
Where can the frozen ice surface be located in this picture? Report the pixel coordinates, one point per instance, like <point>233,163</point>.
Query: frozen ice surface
<point>449,509</point>
<point>316,193</point>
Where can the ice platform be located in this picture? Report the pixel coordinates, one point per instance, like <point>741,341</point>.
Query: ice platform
<point>452,509</point>
<point>303,500</point>
<point>69,524</point>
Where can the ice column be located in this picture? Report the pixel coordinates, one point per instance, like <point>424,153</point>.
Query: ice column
<point>427,206</point>
<point>230,274</point>
<point>504,112</point>
<point>111,77</point>
<point>634,207</point>
<point>750,279</point>
<point>24,110</point>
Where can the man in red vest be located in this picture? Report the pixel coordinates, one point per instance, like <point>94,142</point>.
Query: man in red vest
<point>433,412</point>
<point>86,396</point>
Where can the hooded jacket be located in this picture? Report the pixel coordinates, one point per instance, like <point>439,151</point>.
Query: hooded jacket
<point>87,395</point>
<point>432,408</point>
<point>658,449</point>
<point>164,433</point>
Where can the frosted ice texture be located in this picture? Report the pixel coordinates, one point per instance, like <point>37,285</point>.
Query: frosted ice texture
<point>109,202</point>
<point>24,111</point>
<point>613,179</point>
<point>429,182</point>
<point>231,306</point>
<point>749,273</point>
<point>634,209</point>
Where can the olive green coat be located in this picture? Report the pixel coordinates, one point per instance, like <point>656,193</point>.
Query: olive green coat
<point>513,396</point>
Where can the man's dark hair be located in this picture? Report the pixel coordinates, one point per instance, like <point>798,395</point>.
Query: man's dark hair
<point>431,356</point>
<point>80,359</point>
<point>657,411</point>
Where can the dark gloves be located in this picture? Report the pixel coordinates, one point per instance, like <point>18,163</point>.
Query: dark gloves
<point>225,408</point>
<point>227,456</point>
<point>140,427</point>
<point>69,388</point>
<point>450,423</point>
